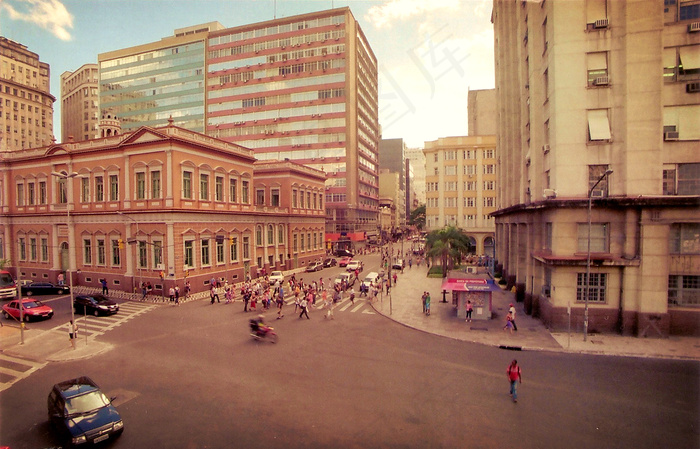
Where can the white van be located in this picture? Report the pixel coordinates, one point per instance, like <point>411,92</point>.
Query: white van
<point>371,278</point>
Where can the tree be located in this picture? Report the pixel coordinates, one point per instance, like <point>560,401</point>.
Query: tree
<point>417,217</point>
<point>4,263</point>
<point>448,245</point>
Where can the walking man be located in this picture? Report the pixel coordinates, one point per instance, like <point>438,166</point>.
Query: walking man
<point>304,305</point>
<point>514,376</point>
<point>512,317</point>
<point>72,333</point>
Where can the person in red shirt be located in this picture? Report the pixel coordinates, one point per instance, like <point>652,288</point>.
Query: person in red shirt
<point>514,375</point>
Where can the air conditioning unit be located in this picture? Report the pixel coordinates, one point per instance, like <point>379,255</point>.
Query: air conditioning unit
<point>692,87</point>
<point>671,135</point>
<point>601,81</point>
<point>545,148</point>
<point>546,291</point>
<point>598,194</point>
<point>694,27</point>
<point>600,23</point>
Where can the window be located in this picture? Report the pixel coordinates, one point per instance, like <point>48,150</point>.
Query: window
<point>20,194</point>
<point>220,254</point>
<point>597,63</point>
<point>233,190</point>
<point>245,192</point>
<point>157,254</point>
<point>42,192</point>
<point>85,190</point>
<point>270,235</point>
<point>548,234</point>
<point>684,238</point>
<point>669,182</point>
<point>142,255</point>
<point>219,188</point>
<point>275,197</point>
<point>62,192</point>
<point>596,287</point>
<point>489,201</point>
<point>435,157</point>
<point>595,172</point>
<point>489,154</point>
<point>689,179</point>
<point>101,255</point>
<point>99,188</point>
<point>258,236</point>
<point>113,188</point>
<point>683,119</point>
<point>450,170</point>
<point>116,253</point>
<point>302,241</point>
<point>599,237</point>
<point>32,248</point>
<point>140,185</point>
<point>295,246</point>
<point>294,198</point>
<point>598,125</point>
<point>684,290</point>
<point>246,248</point>
<point>155,184</point>
<point>44,249</point>
<point>489,169</point>
<point>204,187</point>
<point>260,197</point>
<point>301,200</point>
<point>489,185</point>
<point>234,249</point>
<point>205,252</point>
<point>22,249</point>
<point>30,194</point>
<point>280,234</point>
<point>187,185</point>
<point>87,251</point>
<point>189,253</point>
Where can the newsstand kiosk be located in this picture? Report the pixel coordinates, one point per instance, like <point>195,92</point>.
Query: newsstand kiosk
<point>477,290</point>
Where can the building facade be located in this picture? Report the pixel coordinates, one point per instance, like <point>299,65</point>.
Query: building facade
<point>598,108</point>
<point>156,202</point>
<point>80,103</point>
<point>392,158</point>
<point>26,104</point>
<point>417,189</point>
<point>461,183</point>
<point>390,188</point>
<point>302,88</point>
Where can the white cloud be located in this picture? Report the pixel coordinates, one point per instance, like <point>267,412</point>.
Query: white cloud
<point>51,15</point>
<point>392,10</point>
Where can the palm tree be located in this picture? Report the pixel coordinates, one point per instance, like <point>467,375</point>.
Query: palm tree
<point>449,245</point>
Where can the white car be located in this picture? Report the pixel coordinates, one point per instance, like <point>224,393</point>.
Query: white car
<point>354,265</point>
<point>276,276</point>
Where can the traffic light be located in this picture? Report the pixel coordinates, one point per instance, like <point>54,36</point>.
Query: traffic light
<point>121,243</point>
<point>230,240</point>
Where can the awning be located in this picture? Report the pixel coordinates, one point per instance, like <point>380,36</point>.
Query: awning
<point>468,285</point>
<point>598,124</point>
<point>690,57</point>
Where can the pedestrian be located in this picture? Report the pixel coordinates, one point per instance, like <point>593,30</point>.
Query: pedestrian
<point>280,303</point>
<point>469,311</point>
<point>105,290</point>
<point>514,376</point>
<point>171,293</point>
<point>512,317</point>
<point>61,279</point>
<point>304,306</point>
<point>395,278</point>
<point>509,323</point>
<point>246,298</point>
<point>213,294</point>
<point>177,295</point>
<point>422,300</point>
<point>72,333</point>
<point>187,289</point>
<point>427,304</point>
<point>352,295</point>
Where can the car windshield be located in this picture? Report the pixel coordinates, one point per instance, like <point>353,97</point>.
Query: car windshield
<point>100,299</point>
<point>86,403</point>
<point>31,304</point>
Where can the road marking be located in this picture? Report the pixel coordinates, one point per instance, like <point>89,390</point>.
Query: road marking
<point>11,370</point>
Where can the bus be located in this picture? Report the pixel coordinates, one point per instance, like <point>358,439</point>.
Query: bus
<point>8,287</point>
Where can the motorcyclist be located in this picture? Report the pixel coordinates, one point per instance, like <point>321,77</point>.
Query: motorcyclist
<point>258,326</point>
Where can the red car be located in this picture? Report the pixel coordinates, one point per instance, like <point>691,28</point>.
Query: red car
<point>32,310</point>
<point>343,262</point>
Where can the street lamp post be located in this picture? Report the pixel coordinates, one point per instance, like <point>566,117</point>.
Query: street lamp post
<point>65,176</point>
<point>588,253</point>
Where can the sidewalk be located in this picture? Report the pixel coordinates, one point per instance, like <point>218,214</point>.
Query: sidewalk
<point>405,308</point>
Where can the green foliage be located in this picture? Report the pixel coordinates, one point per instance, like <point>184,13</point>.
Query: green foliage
<point>4,263</point>
<point>417,217</point>
<point>447,245</point>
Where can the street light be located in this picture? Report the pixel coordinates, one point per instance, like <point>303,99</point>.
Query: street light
<point>65,176</point>
<point>588,257</point>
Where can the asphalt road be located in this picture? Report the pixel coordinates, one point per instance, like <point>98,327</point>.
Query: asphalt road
<point>191,377</point>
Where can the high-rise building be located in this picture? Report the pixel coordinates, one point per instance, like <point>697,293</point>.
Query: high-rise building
<point>461,185</point>
<point>80,103</point>
<point>598,137</point>
<point>302,88</point>
<point>26,104</point>
<point>417,188</point>
<point>392,158</point>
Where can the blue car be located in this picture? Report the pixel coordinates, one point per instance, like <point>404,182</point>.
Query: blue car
<point>82,413</point>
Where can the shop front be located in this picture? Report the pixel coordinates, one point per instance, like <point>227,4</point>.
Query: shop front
<point>477,291</point>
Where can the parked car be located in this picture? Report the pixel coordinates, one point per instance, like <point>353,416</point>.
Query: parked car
<point>330,262</point>
<point>81,413</point>
<point>344,253</point>
<point>347,277</point>
<point>354,265</point>
<point>44,288</point>
<point>33,310</point>
<point>276,276</point>
<point>95,305</point>
<point>314,266</point>
<point>343,262</point>
<point>397,265</point>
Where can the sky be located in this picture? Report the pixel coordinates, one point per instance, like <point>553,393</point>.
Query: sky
<point>430,52</point>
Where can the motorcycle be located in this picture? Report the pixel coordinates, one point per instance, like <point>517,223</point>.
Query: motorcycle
<point>262,332</point>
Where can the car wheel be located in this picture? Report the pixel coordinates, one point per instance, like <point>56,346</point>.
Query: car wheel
<point>29,293</point>
<point>96,312</point>
<point>26,318</point>
<point>6,315</point>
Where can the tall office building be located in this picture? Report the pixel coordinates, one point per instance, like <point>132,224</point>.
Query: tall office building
<point>417,188</point>
<point>598,138</point>
<point>392,158</point>
<point>302,88</point>
<point>80,103</point>
<point>26,104</point>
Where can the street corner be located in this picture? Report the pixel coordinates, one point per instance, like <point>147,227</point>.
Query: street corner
<point>83,350</point>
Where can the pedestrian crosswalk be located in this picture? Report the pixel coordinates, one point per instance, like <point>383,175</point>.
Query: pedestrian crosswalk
<point>345,305</point>
<point>14,368</point>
